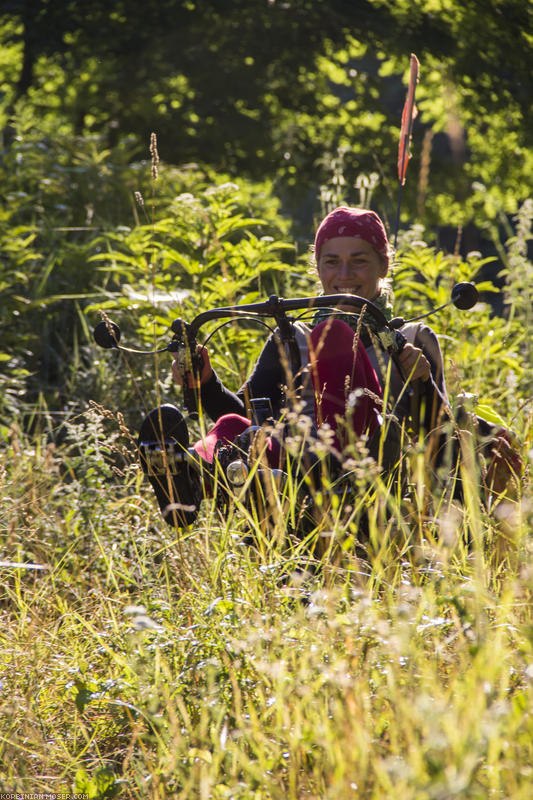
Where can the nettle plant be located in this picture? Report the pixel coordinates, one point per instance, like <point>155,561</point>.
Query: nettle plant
<point>210,245</point>
<point>484,354</point>
<point>84,227</point>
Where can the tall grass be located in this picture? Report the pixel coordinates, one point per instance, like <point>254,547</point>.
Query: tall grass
<point>143,663</point>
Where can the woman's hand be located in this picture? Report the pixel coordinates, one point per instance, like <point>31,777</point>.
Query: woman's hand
<point>205,372</point>
<point>414,363</point>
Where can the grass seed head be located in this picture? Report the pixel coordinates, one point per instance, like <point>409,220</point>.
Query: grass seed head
<point>154,154</point>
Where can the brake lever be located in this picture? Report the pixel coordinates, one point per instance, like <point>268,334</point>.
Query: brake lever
<point>392,341</point>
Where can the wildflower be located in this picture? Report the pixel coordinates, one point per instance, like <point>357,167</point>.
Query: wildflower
<point>140,619</point>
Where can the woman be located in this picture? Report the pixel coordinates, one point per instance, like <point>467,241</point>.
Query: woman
<point>344,377</point>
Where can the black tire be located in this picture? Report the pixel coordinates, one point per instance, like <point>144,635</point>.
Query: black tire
<point>177,488</point>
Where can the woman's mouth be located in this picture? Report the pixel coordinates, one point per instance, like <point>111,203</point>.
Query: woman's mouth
<point>347,289</point>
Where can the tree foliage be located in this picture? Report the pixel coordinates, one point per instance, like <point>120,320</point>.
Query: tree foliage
<point>266,88</point>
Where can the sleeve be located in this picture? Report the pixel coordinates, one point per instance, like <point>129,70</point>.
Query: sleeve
<point>433,392</point>
<point>266,380</point>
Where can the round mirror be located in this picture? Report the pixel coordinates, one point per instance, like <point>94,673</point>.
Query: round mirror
<point>107,335</point>
<point>464,296</point>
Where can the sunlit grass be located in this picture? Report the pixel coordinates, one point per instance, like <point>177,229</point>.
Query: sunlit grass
<point>148,663</point>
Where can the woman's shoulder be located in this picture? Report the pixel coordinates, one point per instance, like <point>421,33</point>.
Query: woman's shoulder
<point>417,333</point>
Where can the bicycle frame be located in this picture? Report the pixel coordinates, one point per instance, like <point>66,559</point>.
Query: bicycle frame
<point>159,455</point>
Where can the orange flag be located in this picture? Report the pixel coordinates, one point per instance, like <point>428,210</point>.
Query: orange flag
<point>408,115</point>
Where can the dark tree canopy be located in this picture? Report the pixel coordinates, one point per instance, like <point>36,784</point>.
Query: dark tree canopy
<point>270,88</point>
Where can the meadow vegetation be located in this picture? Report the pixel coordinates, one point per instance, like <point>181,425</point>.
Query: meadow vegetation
<point>137,661</point>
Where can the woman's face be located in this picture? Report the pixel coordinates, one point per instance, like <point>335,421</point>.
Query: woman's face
<point>350,265</point>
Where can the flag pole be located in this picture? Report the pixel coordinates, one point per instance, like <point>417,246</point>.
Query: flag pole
<point>408,115</point>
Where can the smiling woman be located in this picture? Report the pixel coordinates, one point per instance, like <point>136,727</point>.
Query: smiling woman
<point>335,374</point>
<point>352,252</point>
<point>352,255</point>
<point>350,266</point>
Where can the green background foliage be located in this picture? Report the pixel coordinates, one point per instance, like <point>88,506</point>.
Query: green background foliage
<point>269,89</point>
<point>267,114</point>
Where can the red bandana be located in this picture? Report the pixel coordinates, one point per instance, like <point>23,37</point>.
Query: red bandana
<point>345,221</point>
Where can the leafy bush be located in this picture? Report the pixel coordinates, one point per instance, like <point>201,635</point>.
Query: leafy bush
<point>75,240</point>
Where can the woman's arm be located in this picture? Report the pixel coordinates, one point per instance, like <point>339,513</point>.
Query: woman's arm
<point>433,390</point>
<point>266,380</point>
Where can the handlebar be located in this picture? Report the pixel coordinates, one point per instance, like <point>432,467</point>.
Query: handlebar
<point>183,345</point>
<point>107,333</point>
<point>276,306</point>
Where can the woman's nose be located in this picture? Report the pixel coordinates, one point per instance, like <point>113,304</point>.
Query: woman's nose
<point>344,268</point>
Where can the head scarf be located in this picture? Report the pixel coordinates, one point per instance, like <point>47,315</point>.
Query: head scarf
<point>344,221</point>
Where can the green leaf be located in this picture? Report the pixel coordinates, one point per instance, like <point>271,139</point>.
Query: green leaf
<point>100,786</point>
<point>489,415</point>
